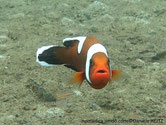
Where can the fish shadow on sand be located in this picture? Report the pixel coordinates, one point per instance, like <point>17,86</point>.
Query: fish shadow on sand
<point>40,92</point>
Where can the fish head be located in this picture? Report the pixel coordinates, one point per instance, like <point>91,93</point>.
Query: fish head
<point>100,73</point>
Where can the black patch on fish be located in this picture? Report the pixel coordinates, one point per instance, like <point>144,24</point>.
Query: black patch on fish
<point>49,56</point>
<point>69,43</point>
<point>71,67</point>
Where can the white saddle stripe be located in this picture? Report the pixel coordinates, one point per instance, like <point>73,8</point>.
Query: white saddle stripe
<point>81,40</point>
<point>92,50</point>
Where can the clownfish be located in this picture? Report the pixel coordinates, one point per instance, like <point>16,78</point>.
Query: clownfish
<point>86,55</point>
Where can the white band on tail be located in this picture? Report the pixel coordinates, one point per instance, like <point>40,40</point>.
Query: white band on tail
<point>81,40</point>
<point>40,51</point>
<point>92,50</point>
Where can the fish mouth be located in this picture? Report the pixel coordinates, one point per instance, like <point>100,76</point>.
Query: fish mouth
<point>101,71</point>
<point>101,75</point>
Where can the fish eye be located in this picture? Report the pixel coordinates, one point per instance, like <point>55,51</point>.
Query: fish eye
<point>91,62</point>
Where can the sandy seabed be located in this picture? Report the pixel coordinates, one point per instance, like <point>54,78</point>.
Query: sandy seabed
<point>134,33</point>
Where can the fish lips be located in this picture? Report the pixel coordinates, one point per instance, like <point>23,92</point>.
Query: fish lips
<point>100,76</point>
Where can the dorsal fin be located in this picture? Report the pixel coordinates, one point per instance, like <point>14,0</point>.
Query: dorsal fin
<point>68,42</point>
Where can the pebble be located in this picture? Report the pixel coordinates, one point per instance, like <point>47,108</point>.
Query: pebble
<point>3,37</point>
<point>55,112</point>
<point>152,32</point>
<point>27,107</point>
<point>50,113</point>
<point>94,9</point>
<point>133,1</point>
<point>97,5</point>
<point>164,71</point>
<point>3,45</point>
<point>138,63</point>
<point>7,118</point>
<point>140,60</point>
<point>106,17</point>
<point>64,6</point>
<point>147,54</point>
<point>10,117</point>
<point>159,55</point>
<point>144,21</point>
<point>2,57</point>
<point>77,93</point>
<point>66,21</point>
<point>95,106</point>
<point>149,99</point>
<point>18,15</point>
<point>155,66</point>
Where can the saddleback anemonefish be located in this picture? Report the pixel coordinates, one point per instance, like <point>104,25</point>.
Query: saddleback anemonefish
<point>83,54</point>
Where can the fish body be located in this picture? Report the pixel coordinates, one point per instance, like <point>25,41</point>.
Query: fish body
<point>86,55</point>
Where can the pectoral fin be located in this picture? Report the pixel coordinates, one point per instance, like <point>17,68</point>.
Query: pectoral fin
<point>78,78</point>
<point>116,74</point>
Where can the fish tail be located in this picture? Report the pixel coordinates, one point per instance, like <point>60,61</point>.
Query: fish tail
<point>50,55</point>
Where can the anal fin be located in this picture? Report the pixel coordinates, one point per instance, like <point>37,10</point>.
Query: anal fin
<point>71,67</point>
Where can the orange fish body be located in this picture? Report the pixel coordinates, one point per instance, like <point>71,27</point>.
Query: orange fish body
<point>83,54</point>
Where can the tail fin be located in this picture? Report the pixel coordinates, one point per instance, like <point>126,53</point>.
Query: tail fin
<point>46,55</point>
